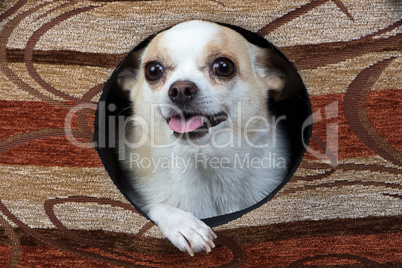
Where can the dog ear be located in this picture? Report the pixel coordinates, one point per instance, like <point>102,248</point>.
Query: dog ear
<point>283,80</point>
<point>128,71</point>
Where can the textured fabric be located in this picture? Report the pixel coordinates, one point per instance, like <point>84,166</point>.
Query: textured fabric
<point>59,207</point>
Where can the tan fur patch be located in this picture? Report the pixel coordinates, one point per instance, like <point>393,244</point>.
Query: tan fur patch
<point>157,51</point>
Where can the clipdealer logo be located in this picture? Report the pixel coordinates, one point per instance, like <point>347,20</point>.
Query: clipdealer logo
<point>120,123</point>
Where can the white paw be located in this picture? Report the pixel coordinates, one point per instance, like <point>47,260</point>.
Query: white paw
<point>183,229</point>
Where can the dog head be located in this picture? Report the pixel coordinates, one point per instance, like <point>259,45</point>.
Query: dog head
<point>200,77</point>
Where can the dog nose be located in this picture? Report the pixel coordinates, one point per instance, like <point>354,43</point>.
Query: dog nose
<point>182,91</point>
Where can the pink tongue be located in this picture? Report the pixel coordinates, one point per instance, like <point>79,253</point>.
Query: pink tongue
<point>183,126</point>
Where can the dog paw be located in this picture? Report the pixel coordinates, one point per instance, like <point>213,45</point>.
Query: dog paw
<point>183,229</point>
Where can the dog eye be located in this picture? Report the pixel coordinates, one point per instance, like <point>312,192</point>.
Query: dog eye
<point>224,67</point>
<point>153,71</point>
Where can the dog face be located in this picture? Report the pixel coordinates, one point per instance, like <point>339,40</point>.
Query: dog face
<point>201,77</point>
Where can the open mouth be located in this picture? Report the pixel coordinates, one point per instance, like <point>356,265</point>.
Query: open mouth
<point>194,125</point>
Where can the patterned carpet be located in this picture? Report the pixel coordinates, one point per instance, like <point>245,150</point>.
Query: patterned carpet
<point>59,207</point>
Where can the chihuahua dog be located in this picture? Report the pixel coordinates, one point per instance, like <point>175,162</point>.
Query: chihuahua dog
<point>202,142</point>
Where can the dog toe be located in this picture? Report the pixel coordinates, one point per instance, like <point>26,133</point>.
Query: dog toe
<point>183,229</point>
<point>197,239</point>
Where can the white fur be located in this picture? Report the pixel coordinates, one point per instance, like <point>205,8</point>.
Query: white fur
<point>184,190</point>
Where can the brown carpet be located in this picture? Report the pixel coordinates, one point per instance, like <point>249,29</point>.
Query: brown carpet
<point>59,207</point>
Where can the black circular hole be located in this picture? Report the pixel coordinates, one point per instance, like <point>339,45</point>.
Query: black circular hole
<point>296,109</point>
